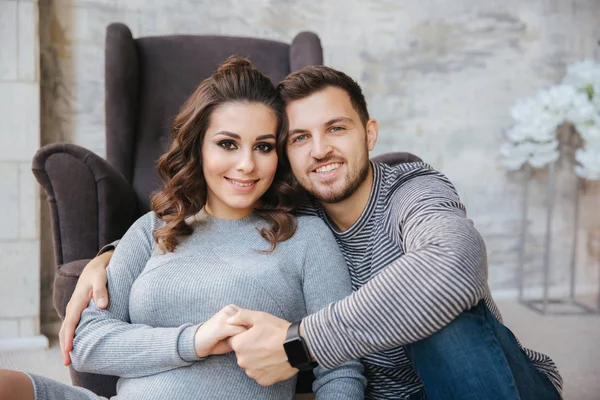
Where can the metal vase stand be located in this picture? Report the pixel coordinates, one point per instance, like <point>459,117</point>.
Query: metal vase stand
<point>547,304</point>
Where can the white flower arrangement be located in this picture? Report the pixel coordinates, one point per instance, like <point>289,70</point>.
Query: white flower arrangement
<point>533,138</point>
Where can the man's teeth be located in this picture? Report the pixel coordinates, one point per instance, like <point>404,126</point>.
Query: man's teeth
<point>328,167</point>
<point>241,184</point>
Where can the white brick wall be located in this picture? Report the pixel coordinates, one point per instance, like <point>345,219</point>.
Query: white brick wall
<point>29,326</point>
<point>28,50</point>
<point>9,328</point>
<point>19,140</point>
<point>8,44</point>
<point>20,281</point>
<point>20,107</point>
<point>9,200</point>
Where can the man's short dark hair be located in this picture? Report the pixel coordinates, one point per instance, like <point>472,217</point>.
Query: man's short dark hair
<point>314,78</point>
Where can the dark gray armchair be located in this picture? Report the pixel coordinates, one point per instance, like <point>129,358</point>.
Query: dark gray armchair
<point>94,201</point>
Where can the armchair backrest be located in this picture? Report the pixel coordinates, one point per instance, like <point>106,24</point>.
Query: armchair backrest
<point>148,79</point>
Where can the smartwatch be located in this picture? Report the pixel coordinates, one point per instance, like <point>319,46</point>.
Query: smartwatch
<point>296,349</point>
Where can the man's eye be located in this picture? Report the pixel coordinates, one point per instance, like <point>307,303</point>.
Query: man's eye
<point>337,128</point>
<point>264,147</point>
<point>227,145</point>
<point>299,138</point>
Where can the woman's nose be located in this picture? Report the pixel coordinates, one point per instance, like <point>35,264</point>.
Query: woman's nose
<point>246,163</point>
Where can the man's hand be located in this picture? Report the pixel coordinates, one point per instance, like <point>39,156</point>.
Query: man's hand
<point>260,349</point>
<point>211,337</point>
<point>91,283</point>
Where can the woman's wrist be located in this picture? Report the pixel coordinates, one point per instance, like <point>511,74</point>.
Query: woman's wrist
<point>200,346</point>
<point>185,344</point>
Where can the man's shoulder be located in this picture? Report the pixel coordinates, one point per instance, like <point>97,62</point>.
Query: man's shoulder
<point>392,174</point>
<point>413,182</point>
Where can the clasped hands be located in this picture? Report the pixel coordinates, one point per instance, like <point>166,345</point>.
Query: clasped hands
<point>256,337</point>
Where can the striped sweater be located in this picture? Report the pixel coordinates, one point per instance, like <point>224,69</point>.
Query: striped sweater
<point>416,262</point>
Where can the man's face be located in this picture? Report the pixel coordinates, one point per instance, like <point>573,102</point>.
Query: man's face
<point>328,145</point>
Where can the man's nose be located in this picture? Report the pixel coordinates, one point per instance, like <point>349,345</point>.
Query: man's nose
<point>320,148</point>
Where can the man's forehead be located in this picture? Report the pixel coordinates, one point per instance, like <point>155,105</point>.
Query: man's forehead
<point>320,107</point>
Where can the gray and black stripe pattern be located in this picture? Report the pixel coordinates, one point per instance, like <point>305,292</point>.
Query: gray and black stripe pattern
<point>419,263</point>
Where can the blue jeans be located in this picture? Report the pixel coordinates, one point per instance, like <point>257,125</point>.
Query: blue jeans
<point>476,357</point>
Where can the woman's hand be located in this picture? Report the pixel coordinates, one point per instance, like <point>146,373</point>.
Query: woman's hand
<point>211,337</point>
<point>91,283</point>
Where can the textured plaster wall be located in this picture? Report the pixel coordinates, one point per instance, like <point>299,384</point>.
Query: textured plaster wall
<point>439,76</point>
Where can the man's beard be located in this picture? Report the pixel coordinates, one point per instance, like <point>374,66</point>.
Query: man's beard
<point>351,183</point>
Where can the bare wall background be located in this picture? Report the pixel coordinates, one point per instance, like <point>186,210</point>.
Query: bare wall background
<point>19,140</point>
<point>439,76</point>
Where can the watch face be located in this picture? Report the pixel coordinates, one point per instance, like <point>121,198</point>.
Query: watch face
<point>296,352</point>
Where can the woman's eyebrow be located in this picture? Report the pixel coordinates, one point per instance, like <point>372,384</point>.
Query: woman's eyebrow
<point>267,136</point>
<point>230,134</point>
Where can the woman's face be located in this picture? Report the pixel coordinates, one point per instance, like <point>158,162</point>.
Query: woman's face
<point>239,159</point>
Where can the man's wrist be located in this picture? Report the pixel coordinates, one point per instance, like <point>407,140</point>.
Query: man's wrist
<point>296,350</point>
<point>307,342</point>
<point>106,256</point>
<point>108,248</point>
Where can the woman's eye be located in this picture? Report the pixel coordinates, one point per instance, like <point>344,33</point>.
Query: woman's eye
<point>264,147</point>
<point>227,145</point>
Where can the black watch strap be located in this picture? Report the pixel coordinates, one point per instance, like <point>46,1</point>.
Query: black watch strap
<point>297,350</point>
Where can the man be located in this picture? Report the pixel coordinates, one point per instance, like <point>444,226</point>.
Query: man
<point>421,318</point>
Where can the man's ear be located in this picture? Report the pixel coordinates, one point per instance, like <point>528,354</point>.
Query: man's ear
<point>372,133</point>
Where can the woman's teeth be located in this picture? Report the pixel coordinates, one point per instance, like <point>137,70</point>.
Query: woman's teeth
<point>241,184</point>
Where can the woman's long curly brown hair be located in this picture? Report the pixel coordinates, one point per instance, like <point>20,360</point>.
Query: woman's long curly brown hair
<point>184,192</point>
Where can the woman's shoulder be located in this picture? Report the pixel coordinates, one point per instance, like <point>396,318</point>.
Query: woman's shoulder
<point>313,228</point>
<point>308,222</point>
<point>147,223</point>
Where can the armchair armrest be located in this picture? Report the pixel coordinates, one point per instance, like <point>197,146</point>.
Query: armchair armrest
<point>91,203</point>
<point>64,284</point>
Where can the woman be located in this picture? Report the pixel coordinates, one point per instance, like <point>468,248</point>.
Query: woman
<point>220,232</point>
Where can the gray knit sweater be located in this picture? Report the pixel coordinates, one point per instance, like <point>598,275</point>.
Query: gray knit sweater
<point>157,300</point>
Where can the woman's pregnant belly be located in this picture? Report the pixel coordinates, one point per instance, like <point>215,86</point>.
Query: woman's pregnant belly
<point>215,378</point>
